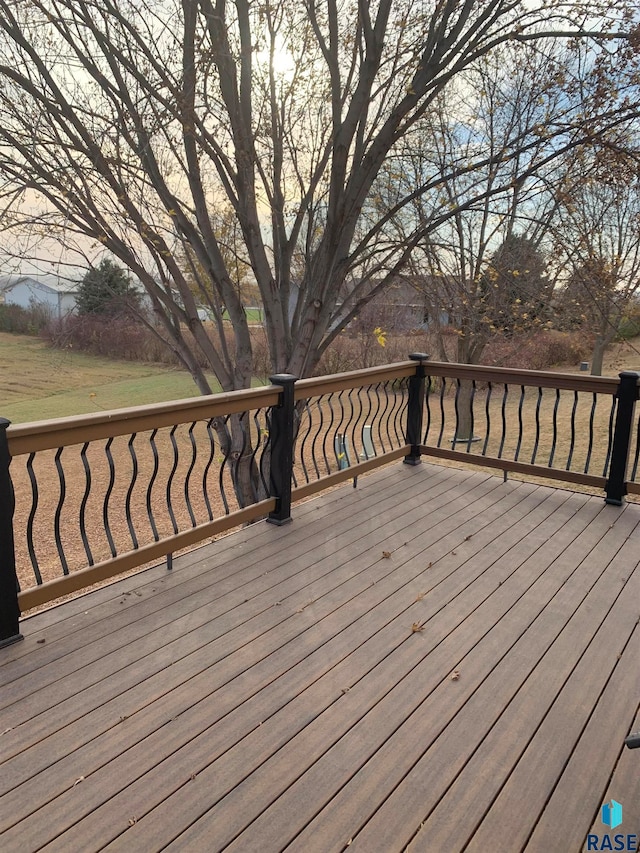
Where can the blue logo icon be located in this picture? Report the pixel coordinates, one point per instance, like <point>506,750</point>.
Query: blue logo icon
<point>612,814</point>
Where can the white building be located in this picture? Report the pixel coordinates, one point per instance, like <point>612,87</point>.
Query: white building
<point>48,290</point>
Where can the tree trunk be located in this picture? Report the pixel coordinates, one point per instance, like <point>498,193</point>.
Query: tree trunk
<point>597,356</point>
<point>464,413</point>
<point>237,446</point>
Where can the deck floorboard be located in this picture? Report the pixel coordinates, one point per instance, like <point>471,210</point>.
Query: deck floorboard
<point>436,660</point>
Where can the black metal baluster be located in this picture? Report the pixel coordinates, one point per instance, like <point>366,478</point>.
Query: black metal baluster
<point>380,409</point>
<point>536,443</point>
<point>105,505</point>
<point>58,512</point>
<point>32,514</point>
<point>487,414</point>
<point>256,445</point>
<point>612,415</point>
<point>134,478</point>
<point>471,415</point>
<point>503,410</point>
<point>339,441</point>
<point>240,460</point>
<point>207,468</point>
<point>327,434</point>
<point>520,424</point>
<point>349,437</point>
<point>591,422</point>
<point>443,384</point>
<point>427,403</point>
<point>172,473</point>
<point>317,434</point>
<point>572,440</point>
<point>399,426</point>
<point>302,442</point>
<point>152,479</point>
<point>187,479</point>
<point>555,428</point>
<point>383,416</point>
<point>265,457</point>
<point>367,422</point>
<point>456,408</point>
<point>83,503</point>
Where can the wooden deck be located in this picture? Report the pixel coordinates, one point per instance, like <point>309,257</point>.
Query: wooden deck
<point>436,660</point>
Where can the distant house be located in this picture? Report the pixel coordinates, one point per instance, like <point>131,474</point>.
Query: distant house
<point>409,303</point>
<point>57,295</point>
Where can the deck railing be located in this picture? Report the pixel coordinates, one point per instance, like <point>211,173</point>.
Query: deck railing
<point>84,499</point>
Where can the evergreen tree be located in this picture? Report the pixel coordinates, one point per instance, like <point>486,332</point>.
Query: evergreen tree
<point>105,289</point>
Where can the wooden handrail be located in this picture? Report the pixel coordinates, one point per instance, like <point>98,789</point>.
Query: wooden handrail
<point>514,376</point>
<point>45,435</point>
<point>317,385</point>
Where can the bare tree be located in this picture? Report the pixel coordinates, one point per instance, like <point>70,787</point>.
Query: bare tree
<point>130,123</point>
<point>597,237</point>
<point>479,260</point>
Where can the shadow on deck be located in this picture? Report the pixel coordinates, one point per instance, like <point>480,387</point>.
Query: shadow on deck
<point>437,660</point>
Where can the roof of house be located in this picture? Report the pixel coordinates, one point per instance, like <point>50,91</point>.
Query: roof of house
<point>45,281</point>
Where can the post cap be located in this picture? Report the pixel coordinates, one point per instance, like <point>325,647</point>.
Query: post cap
<point>419,356</point>
<point>282,378</point>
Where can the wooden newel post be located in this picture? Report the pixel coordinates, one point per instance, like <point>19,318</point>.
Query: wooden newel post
<point>415,409</point>
<point>281,438</point>
<point>627,395</point>
<point>9,609</point>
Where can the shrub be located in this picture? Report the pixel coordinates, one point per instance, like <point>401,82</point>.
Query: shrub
<point>538,350</point>
<point>630,324</point>
<point>24,321</point>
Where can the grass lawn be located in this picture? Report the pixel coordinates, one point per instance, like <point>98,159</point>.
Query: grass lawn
<point>38,382</point>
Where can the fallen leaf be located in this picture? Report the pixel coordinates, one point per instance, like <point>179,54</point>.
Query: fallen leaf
<point>40,642</point>
<point>454,552</point>
<point>6,731</point>
<point>133,821</point>
<point>466,538</point>
<point>78,780</point>
<point>386,554</point>
<point>455,675</point>
<point>417,626</point>
<point>345,689</point>
<point>429,566</point>
<point>420,596</point>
